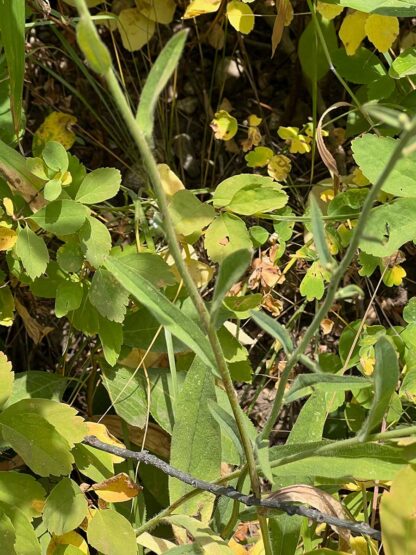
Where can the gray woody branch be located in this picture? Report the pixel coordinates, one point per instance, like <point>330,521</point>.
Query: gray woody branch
<point>356,528</point>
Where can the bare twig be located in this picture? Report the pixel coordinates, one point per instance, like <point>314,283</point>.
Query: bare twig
<point>356,528</point>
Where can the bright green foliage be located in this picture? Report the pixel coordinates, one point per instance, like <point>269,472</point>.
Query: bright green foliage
<point>23,491</point>
<point>65,508</point>
<point>226,234</point>
<point>305,384</point>
<point>32,251</point>
<point>104,287</point>
<point>111,533</point>
<point>189,214</point>
<point>95,241</point>
<point>6,379</point>
<point>68,297</point>
<point>196,440</point>
<point>26,542</point>
<point>92,463</point>
<point>404,64</point>
<point>62,217</point>
<point>98,186</point>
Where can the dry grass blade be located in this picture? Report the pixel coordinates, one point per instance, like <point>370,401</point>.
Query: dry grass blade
<point>279,24</point>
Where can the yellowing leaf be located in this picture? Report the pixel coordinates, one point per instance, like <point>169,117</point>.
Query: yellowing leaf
<point>359,179</point>
<point>236,548</point>
<point>57,126</point>
<point>160,11</point>
<point>117,489</point>
<point>70,538</point>
<point>224,126</point>
<point>297,142</point>
<point>100,432</point>
<point>382,31</point>
<point>8,206</point>
<point>259,157</point>
<point>135,29</point>
<point>258,548</point>
<point>240,16</point>
<point>394,276</point>
<point>6,307</point>
<point>8,237</point>
<point>279,167</point>
<point>328,11</point>
<point>170,181</point>
<point>363,546</point>
<point>201,7</point>
<point>352,31</point>
<point>253,120</point>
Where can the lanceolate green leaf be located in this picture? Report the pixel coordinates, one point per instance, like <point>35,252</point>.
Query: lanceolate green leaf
<point>231,269</point>
<point>398,8</point>
<point>157,80</point>
<point>318,231</point>
<point>274,329</point>
<point>65,508</point>
<point>196,436</point>
<point>12,28</point>
<point>162,309</point>
<point>386,375</point>
<point>305,384</point>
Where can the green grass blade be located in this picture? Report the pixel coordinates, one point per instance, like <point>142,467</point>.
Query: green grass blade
<point>157,80</point>
<point>12,28</point>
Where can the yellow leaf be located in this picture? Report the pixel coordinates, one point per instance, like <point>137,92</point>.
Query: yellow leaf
<point>57,126</point>
<point>259,157</point>
<point>6,308</point>
<point>297,143</point>
<point>352,31</point>
<point>382,31</point>
<point>117,489</point>
<point>257,549</point>
<point>240,16</point>
<point>253,120</point>
<point>328,11</point>
<point>359,179</point>
<point>70,538</point>
<point>170,181</point>
<point>8,237</point>
<point>363,546</point>
<point>160,11</point>
<point>8,206</point>
<point>224,126</point>
<point>279,167</point>
<point>100,432</point>
<point>135,29</point>
<point>236,548</point>
<point>201,7</point>
<point>394,276</point>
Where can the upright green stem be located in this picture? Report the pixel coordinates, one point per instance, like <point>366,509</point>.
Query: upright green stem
<point>338,275</point>
<point>175,250</point>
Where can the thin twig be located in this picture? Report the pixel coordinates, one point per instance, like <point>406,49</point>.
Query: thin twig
<point>356,528</point>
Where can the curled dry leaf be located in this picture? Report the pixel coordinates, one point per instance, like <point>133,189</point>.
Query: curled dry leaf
<point>318,499</point>
<point>34,330</point>
<point>283,19</point>
<point>117,489</point>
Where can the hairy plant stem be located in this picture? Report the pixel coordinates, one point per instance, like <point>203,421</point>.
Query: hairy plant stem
<point>175,250</point>
<point>340,271</point>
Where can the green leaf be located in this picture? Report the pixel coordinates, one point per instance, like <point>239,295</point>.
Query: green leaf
<point>127,390</point>
<point>372,153</point>
<point>150,266</point>
<point>55,156</point>
<point>157,80</point>
<point>7,535</point>
<point>162,406</point>
<point>86,318</point>
<point>23,491</point>
<point>249,194</point>
<point>398,8</point>
<point>189,215</point>
<point>26,540</point>
<point>162,309</point>
<point>99,185</point>
<point>62,217</point>
<point>93,48</point>
<point>52,189</point>
<point>386,375</point>
<point>32,251</point>
<point>409,311</point>
<point>226,234</point>
<point>274,329</point>
<point>318,232</point>
<point>111,533</point>
<point>230,271</point>
<point>68,297</point>
<point>6,306</point>
<point>363,68</point>
<point>236,355</point>
<point>241,306</point>
<point>6,379</point>
<point>95,241</point>
<point>259,235</point>
<point>305,384</point>
<point>69,256</point>
<point>228,426</point>
<point>12,28</point>
<point>96,465</point>
<point>389,227</point>
<point>397,514</point>
<point>312,285</point>
<point>104,286</point>
<point>311,55</point>
<point>196,436</point>
<point>37,384</point>
<point>65,508</point>
<point>203,537</point>
<point>111,337</point>
<point>404,64</point>
<point>41,447</point>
